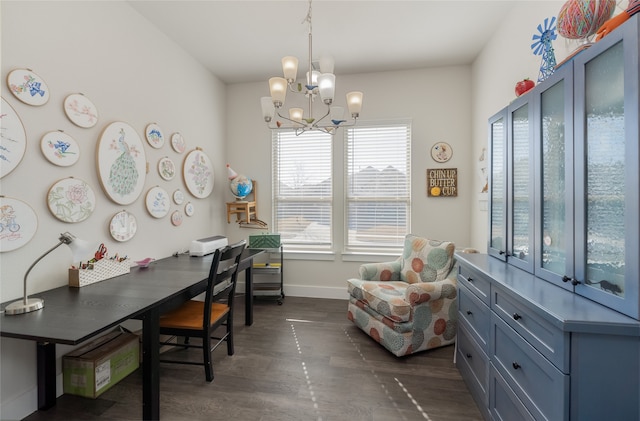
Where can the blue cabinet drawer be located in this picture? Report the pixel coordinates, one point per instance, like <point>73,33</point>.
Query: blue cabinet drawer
<point>542,388</point>
<point>476,283</point>
<point>504,404</point>
<point>473,363</point>
<point>476,314</point>
<point>550,341</point>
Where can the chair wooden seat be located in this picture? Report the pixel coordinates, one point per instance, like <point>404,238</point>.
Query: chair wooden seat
<point>201,319</point>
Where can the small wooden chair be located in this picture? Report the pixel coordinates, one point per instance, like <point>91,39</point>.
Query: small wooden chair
<point>201,319</point>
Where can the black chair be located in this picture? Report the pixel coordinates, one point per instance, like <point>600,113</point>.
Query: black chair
<point>200,319</point>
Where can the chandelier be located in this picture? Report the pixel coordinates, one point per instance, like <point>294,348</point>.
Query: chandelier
<point>317,83</point>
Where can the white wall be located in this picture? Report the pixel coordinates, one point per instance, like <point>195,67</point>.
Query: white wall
<point>132,73</point>
<point>438,102</point>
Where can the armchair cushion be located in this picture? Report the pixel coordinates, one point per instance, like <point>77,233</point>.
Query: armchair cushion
<point>426,260</point>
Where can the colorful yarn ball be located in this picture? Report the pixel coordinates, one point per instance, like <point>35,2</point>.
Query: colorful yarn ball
<point>579,19</point>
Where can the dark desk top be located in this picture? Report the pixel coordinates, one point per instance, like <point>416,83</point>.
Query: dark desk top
<point>73,315</point>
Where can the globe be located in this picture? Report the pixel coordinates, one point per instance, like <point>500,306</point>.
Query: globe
<point>241,186</point>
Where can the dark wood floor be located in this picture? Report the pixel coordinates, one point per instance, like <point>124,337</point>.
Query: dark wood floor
<point>302,360</point>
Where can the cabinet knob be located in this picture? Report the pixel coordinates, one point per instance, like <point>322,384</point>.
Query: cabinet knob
<point>565,278</point>
<point>516,316</point>
<point>516,365</point>
<point>469,312</point>
<point>470,279</point>
<point>501,252</point>
<point>574,281</point>
<point>468,355</point>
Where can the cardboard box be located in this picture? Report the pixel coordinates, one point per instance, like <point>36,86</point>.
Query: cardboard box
<point>93,368</point>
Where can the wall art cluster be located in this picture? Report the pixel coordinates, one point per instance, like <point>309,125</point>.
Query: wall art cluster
<point>121,164</point>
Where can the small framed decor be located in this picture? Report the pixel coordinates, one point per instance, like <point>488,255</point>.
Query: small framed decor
<point>198,173</point>
<point>178,197</point>
<point>122,165</point>
<point>71,200</point>
<point>123,226</point>
<point>28,87</point>
<point>442,182</point>
<point>158,202</point>
<point>154,135</point>
<point>441,152</point>
<point>176,218</point>
<point>189,209</point>
<point>13,139</point>
<point>177,143</point>
<point>80,110</point>
<point>166,168</point>
<point>18,223</point>
<point>59,148</point>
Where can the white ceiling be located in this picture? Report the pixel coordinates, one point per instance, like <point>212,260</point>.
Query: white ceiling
<point>243,41</point>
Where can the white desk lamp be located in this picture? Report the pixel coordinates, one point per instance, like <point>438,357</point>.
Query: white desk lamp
<point>27,305</point>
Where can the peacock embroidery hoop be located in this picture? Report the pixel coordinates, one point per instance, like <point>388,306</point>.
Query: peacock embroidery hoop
<point>121,163</point>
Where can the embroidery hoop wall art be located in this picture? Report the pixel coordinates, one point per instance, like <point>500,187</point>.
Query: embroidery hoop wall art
<point>154,135</point>
<point>59,148</point>
<point>121,163</point>
<point>80,110</point>
<point>198,173</point>
<point>71,200</point>
<point>28,87</point>
<point>158,202</point>
<point>166,168</point>
<point>123,226</point>
<point>441,152</point>
<point>18,223</point>
<point>177,142</point>
<point>13,139</point>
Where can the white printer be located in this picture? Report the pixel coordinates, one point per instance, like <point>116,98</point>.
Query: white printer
<point>207,245</point>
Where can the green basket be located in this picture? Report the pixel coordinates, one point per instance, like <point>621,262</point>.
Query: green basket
<point>264,241</point>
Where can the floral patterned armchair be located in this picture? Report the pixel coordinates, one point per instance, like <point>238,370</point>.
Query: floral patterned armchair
<point>408,305</point>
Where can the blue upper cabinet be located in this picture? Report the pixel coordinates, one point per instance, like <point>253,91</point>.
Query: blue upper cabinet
<point>607,252</point>
<point>572,175</point>
<point>553,155</point>
<point>497,245</point>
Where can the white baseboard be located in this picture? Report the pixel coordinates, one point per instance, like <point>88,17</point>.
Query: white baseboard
<point>308,291</point>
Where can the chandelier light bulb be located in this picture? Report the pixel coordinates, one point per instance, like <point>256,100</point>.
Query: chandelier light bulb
<point>354,102</point>
<point>327,87</point>
<point>278,88</point>
<point>268,109</point>
<point>296,114</point>
<point>290,68</point>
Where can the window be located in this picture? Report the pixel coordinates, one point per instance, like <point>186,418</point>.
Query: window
<point>375,193</point>
<point>303,189</point>
<point>377,186</point>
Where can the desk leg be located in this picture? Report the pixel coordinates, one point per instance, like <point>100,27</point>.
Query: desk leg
<point>151,366</point>
<point>248,295</point>
<point>46,355</point>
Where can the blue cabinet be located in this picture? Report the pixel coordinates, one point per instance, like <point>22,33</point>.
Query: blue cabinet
<point>550,316</point>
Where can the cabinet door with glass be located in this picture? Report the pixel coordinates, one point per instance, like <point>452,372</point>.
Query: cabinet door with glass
<point>606,181</point>
<point>553,134</point>
<point>520,193</point>
<point>497,244</point>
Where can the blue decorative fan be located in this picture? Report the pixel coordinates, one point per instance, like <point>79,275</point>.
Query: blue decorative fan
<point>542,46</point>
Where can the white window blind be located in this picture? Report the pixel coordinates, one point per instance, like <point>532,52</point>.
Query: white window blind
<point>377,186</point>
<point>302,188</point>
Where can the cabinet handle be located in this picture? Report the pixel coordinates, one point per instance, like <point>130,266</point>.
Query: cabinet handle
<point>468,355</point>
<point>469,312</point>
<point>516,365</point>
<point>516,316</point>
<point>574,281</point>
<point>470,279</point>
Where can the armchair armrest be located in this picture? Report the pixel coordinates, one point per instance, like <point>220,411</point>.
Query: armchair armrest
<point>423,292</point>
<point>385,271</point>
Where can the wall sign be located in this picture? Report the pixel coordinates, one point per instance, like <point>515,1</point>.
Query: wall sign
<point>442,182</point>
